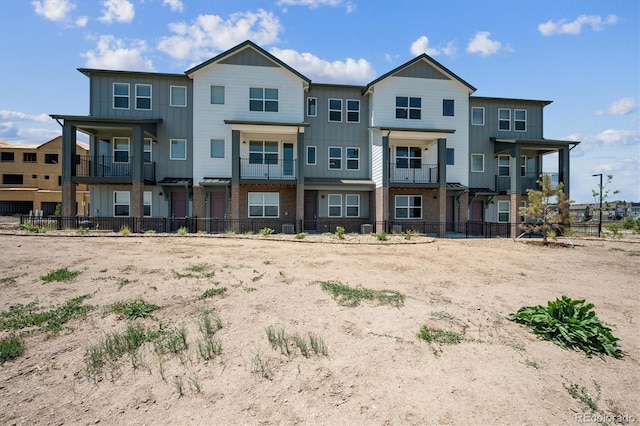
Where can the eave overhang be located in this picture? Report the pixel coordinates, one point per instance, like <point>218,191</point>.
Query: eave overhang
<point>541,145</point>
<point>414,133</point>
<point>267,127</point>
<point>97,125</point>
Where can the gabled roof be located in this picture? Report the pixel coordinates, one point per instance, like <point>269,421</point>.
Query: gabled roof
<point>247,45</point>
<point>430,61</point>
<point>88,71</point>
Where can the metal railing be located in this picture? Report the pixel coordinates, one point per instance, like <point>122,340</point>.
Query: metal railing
<point>413,173</point>
<point>267,169</point>
<point>528,181</point>
<point>107,166</point>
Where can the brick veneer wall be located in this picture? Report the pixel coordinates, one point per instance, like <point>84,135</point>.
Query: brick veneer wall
<point>430,206</point>
<point>287,199</point>
<point>199,204</point>
<point>68,198</point>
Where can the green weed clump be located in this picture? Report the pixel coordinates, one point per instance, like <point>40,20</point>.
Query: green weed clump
<point>216,291</point>
<point>10,347</point>
<point>132,309</point>
<point>264,232</point>
<point>570,324</point>
<point>350,296</point>
<point>33,315</point>
<point>445,337</point>
<point>29,227</point>
<point>62,274</point>
<point>381,236</point>
<point>340,232</point>
<point>125,231</point>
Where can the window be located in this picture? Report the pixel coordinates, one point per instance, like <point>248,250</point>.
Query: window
<point>9,179</point>
<point>59,180</point>
<point>121,95</point>
<point>262,99</point>
<point>264,204</point>
<point>311,156</point>
<point>312,107</point>
<point>263,152</point>
<point>353,111</point>
<point>335,205</point>
<point>503,211</point>
<point>51,158</point>
<point>408,206</point>
<point>148,143</point>
<point>353,158</point>
<point>503,165</point>
<point>520,120</point>
<point>408,108</point>
<point>143,96</point>
<point>120,150</point>
<point>477,162</point>
<point>408,157</point>
<point>121,202</point>
<point>217,148</point>
<point>335,157</point>
<point>7,157</point>
<point>46,177</point>
<point>178,149</point>
<point>523,165</point>
<point>217,95</point>
<point>504,119</point>
<point>29,157</point>
<point>451,155</point>
<point>34,176</point>
<point>335,110</point>
<point>178,96</point>
<point>448,107</point>
<point>477,116</point>
<point>146,203</point>
<point>352,205</point>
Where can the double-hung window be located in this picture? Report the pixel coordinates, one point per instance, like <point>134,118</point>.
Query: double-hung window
<point>504,119</point>
<point>408,108</point>
<point>178,149</point>
<point>352,205</point>
<point>143,96</point>
<point>121,95</point>
<point>264,204</point>
<point>408,206</point>
<point>120,150</point>
<point>335,205</point>
<point>335,110</point>
<point>148,157</point>
<point>146,203</point>
<point>408,157</point>
<point>503,165</point>
<point>312,107</point>
<point>523,165</point>
<point>477,116</point>
<point>503,211</point>
<point>178,96</point>
<point>121,203</point>
<point>520,120</point>
<point>353,111</point>
<point>263,152</point>
<point>263,99</point>
<point>353,158</point>
<point>477,162</point>
<point>335,158</point>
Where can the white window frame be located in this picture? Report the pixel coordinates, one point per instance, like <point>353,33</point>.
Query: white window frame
<point>224,94</point>
<point>263,99</point>
<point>350,160</point>
<point>508,165</point>
<point>502,210</point>
<point>408,207</point>
<point>351,111</point>
<point>330,110</point>
<point>337,205</point>
<point>122,202</point>
<point>477,108</point>
<point>171,101</point>
<point>481,156</point>
<point>148,142</point>
<point>408,108</point>
<point>224,143</point>
<point>262,204</point>
<point>315,105</point>
<point>128,150</point>
<point>334,158</point>
<point>523,165</point>
<point>143,97</point>
<point>315,155</point>
<point>266,155</point>
<point>517,120</point>
<point>147,200</point>
<point>171,142</point>
<point>508,120</point>
<point>128,95</point>
<point>348,204</point>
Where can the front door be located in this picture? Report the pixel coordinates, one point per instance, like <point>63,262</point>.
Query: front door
<point>310,210</point>
<point>178,210</point>
<point>218,201</point>
<point>450,213</point>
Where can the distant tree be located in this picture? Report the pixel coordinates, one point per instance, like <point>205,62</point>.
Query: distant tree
<point>548,209</point>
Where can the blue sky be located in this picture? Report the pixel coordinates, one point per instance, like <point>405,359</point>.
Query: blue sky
<point>582,55</point>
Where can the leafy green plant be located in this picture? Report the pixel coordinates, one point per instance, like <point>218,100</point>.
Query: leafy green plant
<point>349,296</point>
<point>433,335</point>
<point>301,236</point>
<point>216,291</point>
<point>8,280</point>
<point>264,232</point>
<point>11,347</point>
<point>381,236</point>
<point>582,395</point>
<point>62,274</point>
<point>340,232</point>
<point>29,227</point>
<point>24,316</point>
<point>570,324</point>
<point>133,309</point>
<point>614,228</point>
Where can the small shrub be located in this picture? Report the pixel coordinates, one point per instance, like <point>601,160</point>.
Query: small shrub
<point>29,227</point>
<point>133,309</point>
<point>381,236</point>
<point>264,232</point>
<point>24,316</point>
<point>125,231</point>
<point>301,236</point>
<point>614,228</point>
<point>10,347</point>
<point>62,274</point>
<point>183,231</point>
<point>340,232</point>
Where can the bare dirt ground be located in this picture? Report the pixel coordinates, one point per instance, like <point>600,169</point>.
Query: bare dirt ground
<point>376,370</point>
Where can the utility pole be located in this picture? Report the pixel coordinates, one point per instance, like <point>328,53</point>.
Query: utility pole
<point>600,191</point>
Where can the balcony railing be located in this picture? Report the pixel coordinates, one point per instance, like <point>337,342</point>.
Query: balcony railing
<point>267,169</point>
<point>105,166</point>
<point>413,173</point>
<point>528,181</point>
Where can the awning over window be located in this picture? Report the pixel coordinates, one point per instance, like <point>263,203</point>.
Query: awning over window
<point>215,182</point>
<point>169,181</point>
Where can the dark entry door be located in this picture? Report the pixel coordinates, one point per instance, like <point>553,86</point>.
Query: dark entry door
<point>310,210</point>
<point>218,202</point>
<point>287,163</point>
<point>178,210</point>
<point>450,213</point>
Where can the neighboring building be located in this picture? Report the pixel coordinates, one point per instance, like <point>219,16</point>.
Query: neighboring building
<point>245,140</point>
<point>32,179</point>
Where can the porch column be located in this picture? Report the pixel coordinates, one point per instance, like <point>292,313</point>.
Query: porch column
<point>234,212</point>
<point>68,170</point>
<point>302,154</point>
<point>442,187</point>
<point>382,212</point>
<point>137,173</point>
<point>563,168</point>
<point>515,190</point>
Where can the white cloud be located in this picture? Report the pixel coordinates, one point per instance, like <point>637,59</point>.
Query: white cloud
<point>358,71</point>
<point>82,21</point>
<point>112,53</point>
<point>421,45</point>
<point>118,11</point>
<point>8,116</point>
<point>622,106</point>
<point>312,4</point>
<point>9,132</point>
<point>616,137</point>
<point>482,44</point>
<point>53,10</point>
<point>596,22</point>
<point>175,5</point>
<point>210,34</point>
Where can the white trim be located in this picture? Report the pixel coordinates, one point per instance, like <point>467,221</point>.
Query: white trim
<point>150,151</point>
<point>408,206</point>
<point>516,120</point>
<point>347,205</point>
<point>128,203</point>
<point>329,109</point>
<point>150,204</point>
<point>171,103</point>
<point>113,140</point>
<point>347,110</point>
<point>329,205</point>
<point>482,168</point>
<point>171,141</point>
<point>504,119</point>
<point>113,93</point>
<point>263,205</point>
<point>307,107</point>
<point>329,157</point>
<point>136,97</point>
<point>502,210</point>
<point>508,165</point>
<point>346,154</point>
<point>315,150</point>
<point>480,108</point>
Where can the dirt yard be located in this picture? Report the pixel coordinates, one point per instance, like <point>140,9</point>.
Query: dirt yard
<point>375,369</point>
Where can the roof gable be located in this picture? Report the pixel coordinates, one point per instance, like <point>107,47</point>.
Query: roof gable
<point>422,69</point>
<point>248,57</point>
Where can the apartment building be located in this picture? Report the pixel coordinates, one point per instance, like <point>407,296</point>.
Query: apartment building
<point>243,141</point>
<point>32,179</point>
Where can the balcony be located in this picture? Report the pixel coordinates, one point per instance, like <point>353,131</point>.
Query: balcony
<point>105,167</point>
<point>528,181</point>
<point>268,169</point>
<point>417,173</point>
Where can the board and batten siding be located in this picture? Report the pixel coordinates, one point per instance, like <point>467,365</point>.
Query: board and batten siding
<point>432,92</point>
<point>208,120</point>
<point>376,157</point>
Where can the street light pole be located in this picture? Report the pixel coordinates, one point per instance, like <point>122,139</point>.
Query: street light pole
<point>600,191</point>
